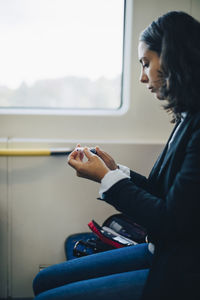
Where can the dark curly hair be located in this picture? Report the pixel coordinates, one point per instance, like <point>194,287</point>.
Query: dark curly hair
<point>175,36</point>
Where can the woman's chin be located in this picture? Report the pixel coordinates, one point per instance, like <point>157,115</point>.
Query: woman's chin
<point>159,96</point>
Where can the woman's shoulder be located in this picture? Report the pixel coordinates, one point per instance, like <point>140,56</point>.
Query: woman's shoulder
<point>194,129</point>
<point>195,119</point>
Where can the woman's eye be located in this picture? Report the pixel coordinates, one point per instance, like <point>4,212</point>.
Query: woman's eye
<point>146,65</point>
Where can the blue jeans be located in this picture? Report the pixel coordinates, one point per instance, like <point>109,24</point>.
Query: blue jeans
<point>116,274</point>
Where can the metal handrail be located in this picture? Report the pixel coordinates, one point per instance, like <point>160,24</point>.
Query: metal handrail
<point>35,152</point>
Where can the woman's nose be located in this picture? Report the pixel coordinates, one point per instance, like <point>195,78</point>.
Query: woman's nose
<point>143,77</point>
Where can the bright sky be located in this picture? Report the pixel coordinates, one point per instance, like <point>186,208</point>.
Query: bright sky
<point>54,38</point>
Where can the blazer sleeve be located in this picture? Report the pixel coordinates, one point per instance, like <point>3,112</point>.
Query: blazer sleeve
<point>139,180</point>
<point>176,215</point>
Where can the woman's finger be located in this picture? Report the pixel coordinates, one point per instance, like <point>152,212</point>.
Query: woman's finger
<point>88,153</point>
<point>74,163</point>
<point>73,155</point>
<point>100,152</point>
<point>81,155</point>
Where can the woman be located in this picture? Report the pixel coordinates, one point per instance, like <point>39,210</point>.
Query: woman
<point>167,203</point>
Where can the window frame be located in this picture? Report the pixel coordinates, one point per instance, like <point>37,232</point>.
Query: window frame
<point>125,83</point>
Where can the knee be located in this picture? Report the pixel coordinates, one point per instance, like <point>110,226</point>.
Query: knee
<point>42,296</point>
<point>39,283</point>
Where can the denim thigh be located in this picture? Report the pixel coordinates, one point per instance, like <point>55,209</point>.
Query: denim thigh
<point>126,286</point>
<point>93,266</point>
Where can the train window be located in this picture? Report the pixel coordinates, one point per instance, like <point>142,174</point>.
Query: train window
<point>65,54</point>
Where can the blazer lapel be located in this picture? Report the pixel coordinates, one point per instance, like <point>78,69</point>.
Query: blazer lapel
<point>175,143</point>
<point>157,166</point>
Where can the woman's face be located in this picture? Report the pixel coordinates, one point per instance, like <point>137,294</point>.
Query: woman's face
<point>150,67</point>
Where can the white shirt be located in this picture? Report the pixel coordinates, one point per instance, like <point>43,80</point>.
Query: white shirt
<point>113,177</point>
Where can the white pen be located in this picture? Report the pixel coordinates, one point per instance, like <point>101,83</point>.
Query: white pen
<point>93,150</point>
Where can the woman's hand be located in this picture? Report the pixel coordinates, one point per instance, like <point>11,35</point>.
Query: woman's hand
<point>108,160</point>
<point>94,168</point>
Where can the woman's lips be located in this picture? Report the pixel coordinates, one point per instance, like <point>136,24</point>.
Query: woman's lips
<point>152,89</point>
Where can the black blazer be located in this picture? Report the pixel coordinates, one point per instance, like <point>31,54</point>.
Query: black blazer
<point>167,204</point>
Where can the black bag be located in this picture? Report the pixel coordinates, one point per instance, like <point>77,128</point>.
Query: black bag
<point>117,231</point>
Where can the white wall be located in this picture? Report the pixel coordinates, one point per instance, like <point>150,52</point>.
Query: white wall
<point>41,199</point>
